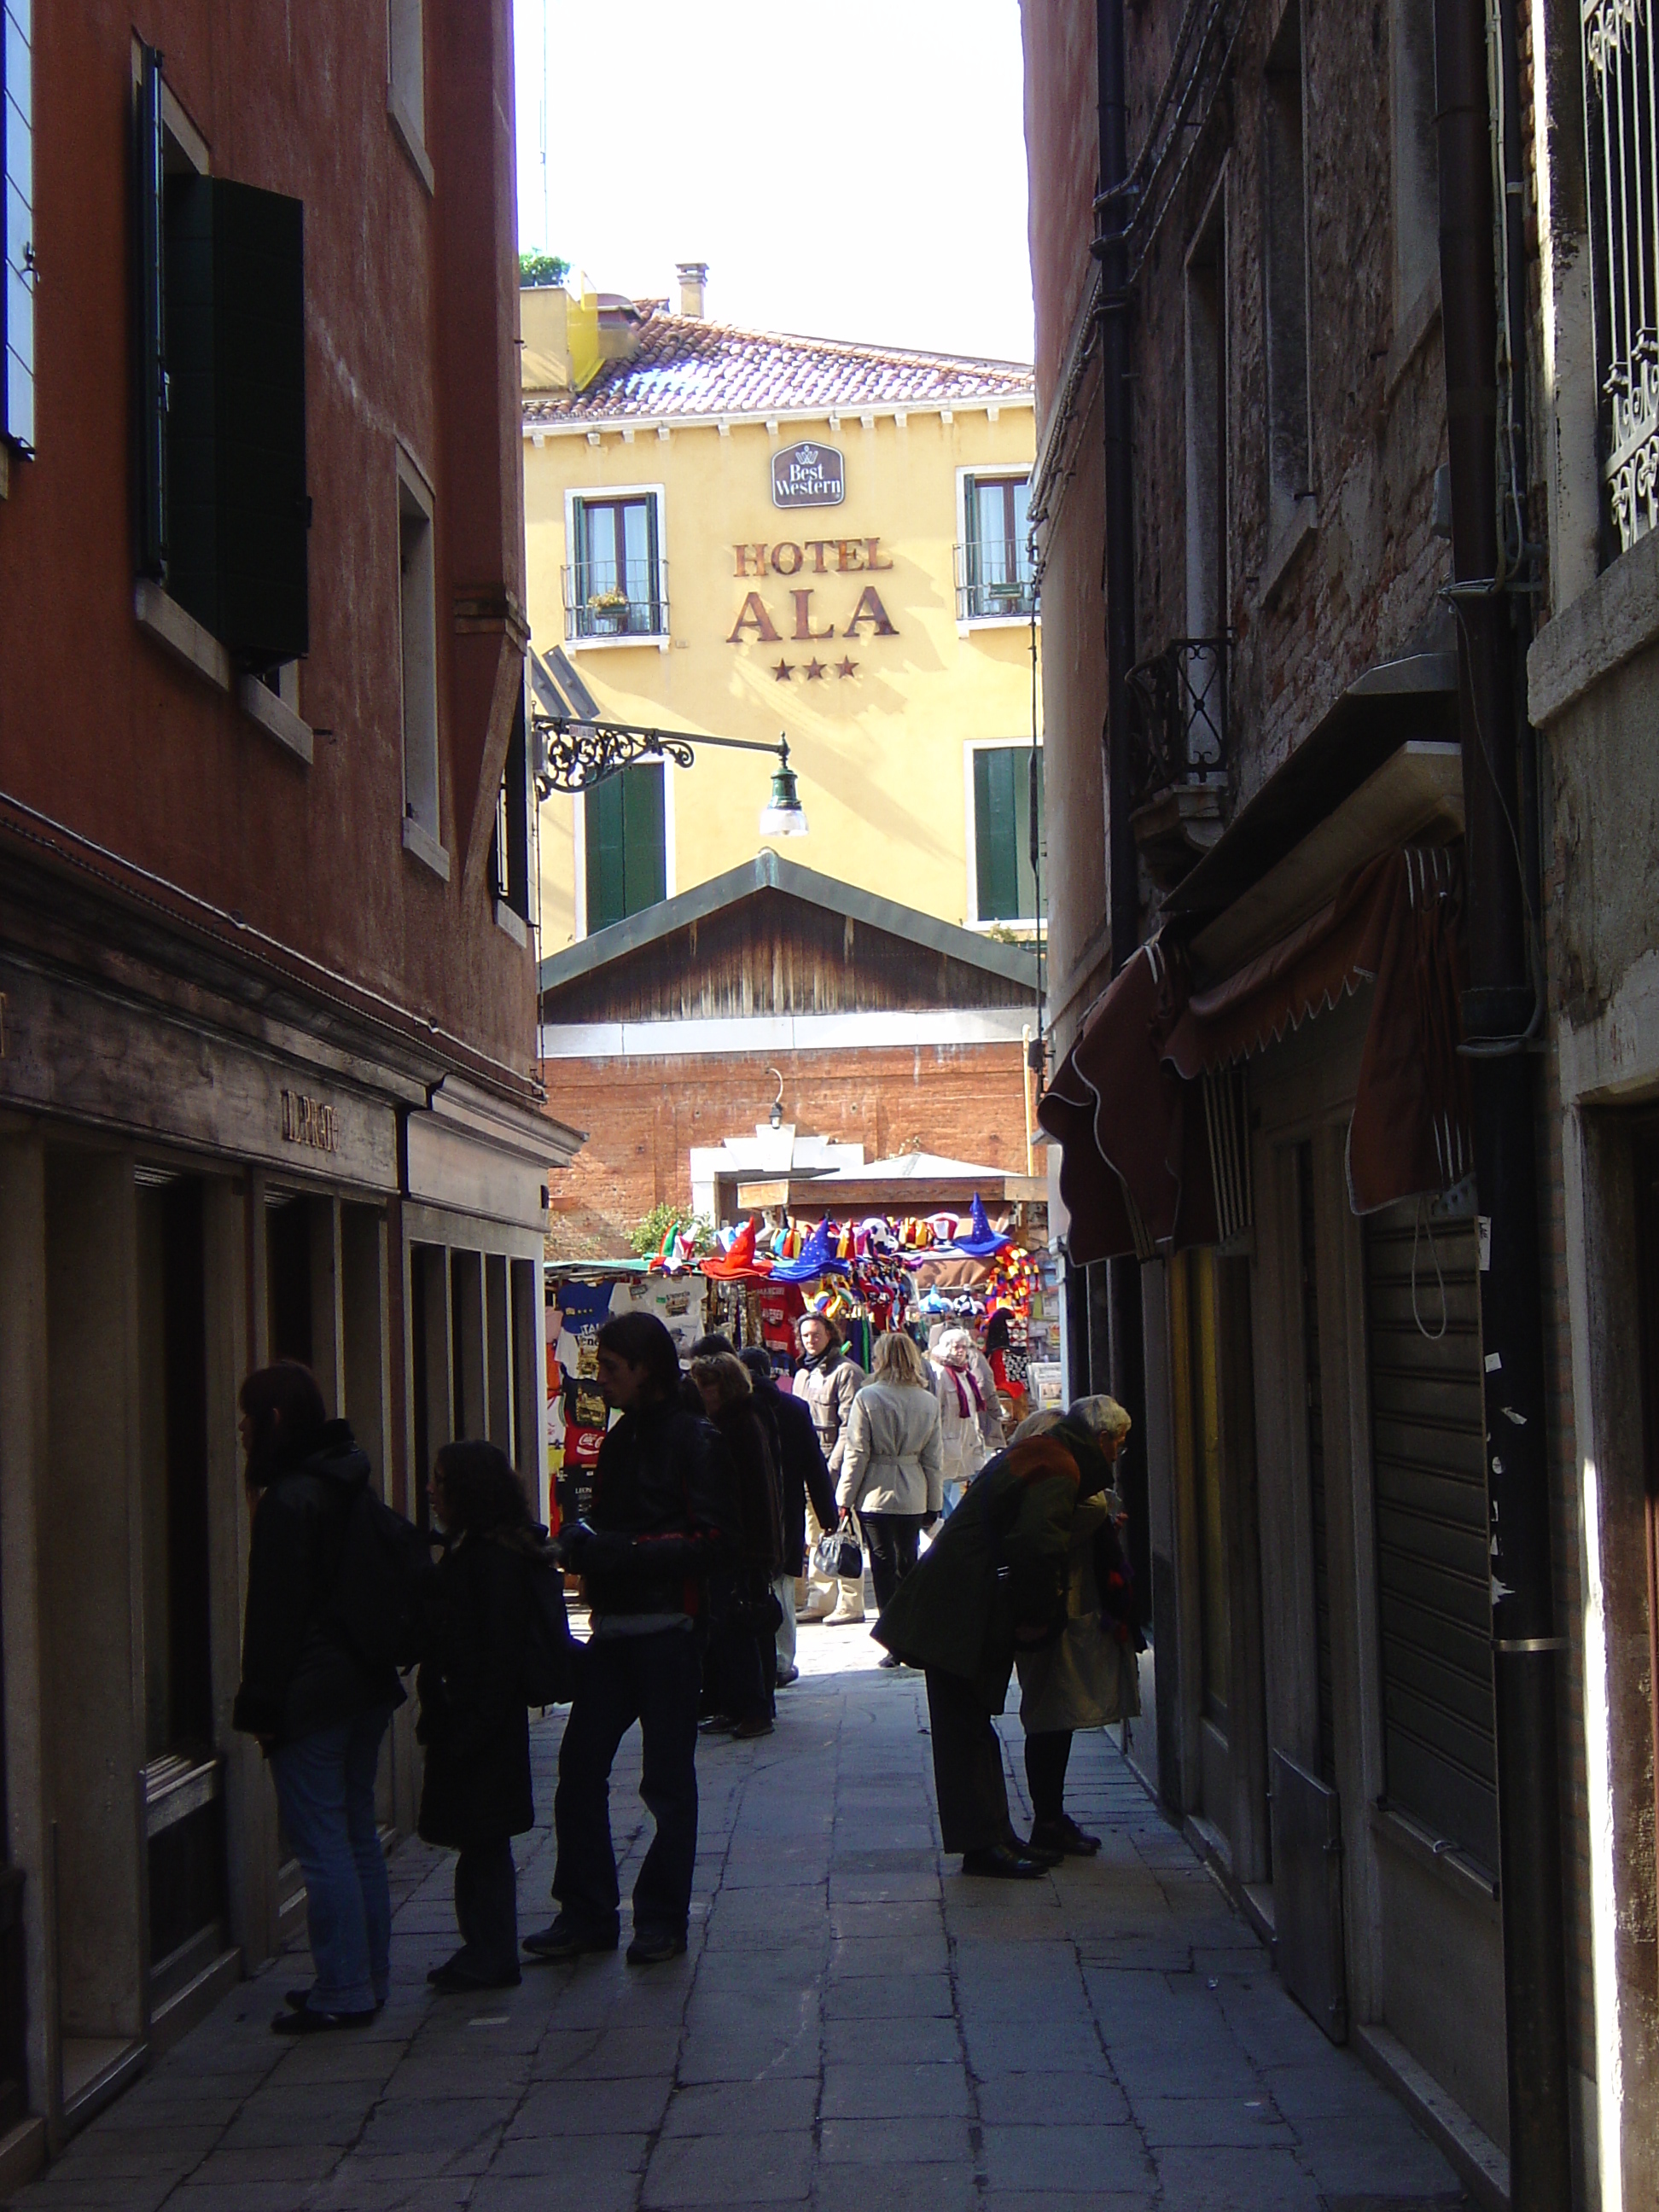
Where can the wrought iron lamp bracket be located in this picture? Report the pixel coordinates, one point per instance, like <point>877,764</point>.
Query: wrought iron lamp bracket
<point>573,755</point>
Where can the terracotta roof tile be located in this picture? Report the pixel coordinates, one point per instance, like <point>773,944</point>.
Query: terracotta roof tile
<point>688,367</point>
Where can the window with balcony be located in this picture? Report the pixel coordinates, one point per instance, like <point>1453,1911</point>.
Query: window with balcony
<point>18,186</point>
<point>616,584</point>
<point>1004,794</point>
<point>993,565</point>
<point>1621,122</point>
<point>626,846</point>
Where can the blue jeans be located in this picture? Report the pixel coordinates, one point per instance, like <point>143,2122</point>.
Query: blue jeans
<point>325,1793</point>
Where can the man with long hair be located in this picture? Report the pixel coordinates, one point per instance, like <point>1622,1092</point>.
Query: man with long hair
<point>660,1521</point>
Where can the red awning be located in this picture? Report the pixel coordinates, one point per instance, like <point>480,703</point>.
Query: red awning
<point>1119,1110</point>
<point>1139,1149</point>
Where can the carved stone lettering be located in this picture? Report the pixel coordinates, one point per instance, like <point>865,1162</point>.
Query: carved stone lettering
<point>309,1121</point>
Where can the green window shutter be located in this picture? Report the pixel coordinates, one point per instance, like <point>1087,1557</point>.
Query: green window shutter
<point>627,861</point>
<point>149,332</point>
<point>264,514</point>
<point>1003,797</point>
<point>237,512</point>
<point>606,895</point>
<point>646,859</point>
<point>191,479</point>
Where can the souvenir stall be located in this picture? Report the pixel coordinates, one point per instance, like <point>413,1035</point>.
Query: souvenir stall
<point>581,1297</point>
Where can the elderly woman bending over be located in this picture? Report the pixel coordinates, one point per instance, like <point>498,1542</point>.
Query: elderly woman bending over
<point>891,1473</point>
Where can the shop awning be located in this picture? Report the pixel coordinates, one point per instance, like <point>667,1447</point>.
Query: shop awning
<point>1147,1106</point>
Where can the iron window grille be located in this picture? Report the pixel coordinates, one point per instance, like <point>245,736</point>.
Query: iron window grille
<point>1620,72</point>
<point>1178,708</point>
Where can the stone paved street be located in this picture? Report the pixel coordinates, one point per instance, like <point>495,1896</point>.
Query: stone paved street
<point>855,2025</point>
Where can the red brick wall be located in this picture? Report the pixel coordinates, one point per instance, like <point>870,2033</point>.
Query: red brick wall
<point>412,306</point>
<point>643,1115</point>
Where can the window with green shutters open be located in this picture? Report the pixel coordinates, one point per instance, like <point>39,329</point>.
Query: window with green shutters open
<point>1008,802</point>
<point>626,847</point>
<point>221,508</point>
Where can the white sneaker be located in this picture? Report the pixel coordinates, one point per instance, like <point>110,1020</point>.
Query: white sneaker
<point>848,1613</point>
<point>817,1606</point>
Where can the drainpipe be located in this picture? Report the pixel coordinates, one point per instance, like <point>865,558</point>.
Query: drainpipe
<point>1112,210</point>
<point>1501,1015</point>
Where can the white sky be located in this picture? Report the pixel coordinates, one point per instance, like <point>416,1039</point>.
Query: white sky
<point>852,171</point>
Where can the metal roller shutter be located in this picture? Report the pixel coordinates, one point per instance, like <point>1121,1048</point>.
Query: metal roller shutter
<point>1433,1583</point>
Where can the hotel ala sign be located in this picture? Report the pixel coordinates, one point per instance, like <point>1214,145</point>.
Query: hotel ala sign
<point>808,475</point>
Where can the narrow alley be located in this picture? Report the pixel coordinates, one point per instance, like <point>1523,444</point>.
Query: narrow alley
<point>854,2024</point>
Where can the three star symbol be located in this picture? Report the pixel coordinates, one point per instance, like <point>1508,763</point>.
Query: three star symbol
<point>783,670</point>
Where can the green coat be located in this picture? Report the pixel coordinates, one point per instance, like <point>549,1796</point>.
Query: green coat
<point>956,1610</point>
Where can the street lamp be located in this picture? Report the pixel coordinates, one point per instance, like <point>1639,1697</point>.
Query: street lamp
<point>573,755</point>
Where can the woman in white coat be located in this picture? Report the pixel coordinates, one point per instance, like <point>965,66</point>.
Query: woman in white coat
<point>970,1420</point>
<point>892,1470</point>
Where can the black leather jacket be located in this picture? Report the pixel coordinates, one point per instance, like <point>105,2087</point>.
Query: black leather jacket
<point>662,1513</point>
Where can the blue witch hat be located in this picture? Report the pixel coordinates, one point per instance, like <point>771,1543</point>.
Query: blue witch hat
<point>982,1241</point>
<point>818,1256</point>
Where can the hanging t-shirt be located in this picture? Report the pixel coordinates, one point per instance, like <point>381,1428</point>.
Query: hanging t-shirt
<point>584,1308</point>
<point>676,1300</point>
<point>780,1306</point>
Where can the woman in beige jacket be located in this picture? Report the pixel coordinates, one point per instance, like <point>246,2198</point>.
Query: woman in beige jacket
<point>892,1471</point>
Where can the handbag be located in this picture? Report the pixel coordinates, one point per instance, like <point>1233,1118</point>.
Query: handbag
<point>849,1553</point>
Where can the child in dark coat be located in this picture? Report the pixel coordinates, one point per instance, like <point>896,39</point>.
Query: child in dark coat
<point>474,1722</point>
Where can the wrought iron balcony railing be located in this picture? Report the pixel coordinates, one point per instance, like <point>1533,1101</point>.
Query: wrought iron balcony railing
<point>1621,131</point>
<point>993,580</point>
<point>1178,700</point>
<point>616,599</point>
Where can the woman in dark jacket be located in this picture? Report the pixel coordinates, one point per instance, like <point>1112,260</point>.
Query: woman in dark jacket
<point>319,1708</point>
<point>742,1654</point>
<point>474,1722</point>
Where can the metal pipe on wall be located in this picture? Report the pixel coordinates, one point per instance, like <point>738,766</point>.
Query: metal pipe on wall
<point>1500,1015</point>
<point>1111,249</point>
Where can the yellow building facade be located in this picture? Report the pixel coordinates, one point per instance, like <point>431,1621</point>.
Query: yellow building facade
<point>748,534</point>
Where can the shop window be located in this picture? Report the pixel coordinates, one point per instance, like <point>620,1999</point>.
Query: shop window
<point>17,166</point>
<point>624,830</point>
<point>994,560</point>
<point>418,639</point>
<point>1284,232</point>
<point>223,512</point>
<point>1416,162</point>
<point>614,582</point>
<point>1006,798</point>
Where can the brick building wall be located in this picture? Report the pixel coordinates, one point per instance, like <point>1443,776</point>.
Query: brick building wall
<point>643,1115</point>
<point>1359,585</point>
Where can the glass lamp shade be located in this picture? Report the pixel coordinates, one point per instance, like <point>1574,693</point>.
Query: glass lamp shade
<point>783,814</point>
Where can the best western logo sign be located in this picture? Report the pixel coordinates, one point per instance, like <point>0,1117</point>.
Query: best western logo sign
<point>808,475</point>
